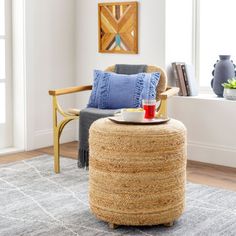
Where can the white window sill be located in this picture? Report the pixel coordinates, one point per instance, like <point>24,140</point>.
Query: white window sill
<point>204,96</point>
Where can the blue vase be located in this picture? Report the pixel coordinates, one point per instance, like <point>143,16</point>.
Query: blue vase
<point>224,70</point>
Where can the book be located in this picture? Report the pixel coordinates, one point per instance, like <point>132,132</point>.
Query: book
<point>192,83</point>
<point>183,66</point>
<point>181,79</point>
<point>176,77</point>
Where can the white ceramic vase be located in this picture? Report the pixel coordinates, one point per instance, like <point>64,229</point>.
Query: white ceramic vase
<point>230,94</point>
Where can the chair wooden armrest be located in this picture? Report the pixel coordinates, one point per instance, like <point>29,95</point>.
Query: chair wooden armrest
<point>67,116</point>
<point>73,111</point>
<point>75,89</point>
<point>170,91</point>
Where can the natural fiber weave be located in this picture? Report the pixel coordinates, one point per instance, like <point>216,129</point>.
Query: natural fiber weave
<point>162,85</point>
<point>137,172</point>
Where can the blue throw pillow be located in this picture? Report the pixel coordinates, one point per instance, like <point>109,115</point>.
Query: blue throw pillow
<point>114,91</point>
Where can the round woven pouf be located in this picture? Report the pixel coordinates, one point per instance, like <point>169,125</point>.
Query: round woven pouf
<point>137,172</point>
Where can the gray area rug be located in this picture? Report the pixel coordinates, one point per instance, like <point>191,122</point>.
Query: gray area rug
<point>35,201</point>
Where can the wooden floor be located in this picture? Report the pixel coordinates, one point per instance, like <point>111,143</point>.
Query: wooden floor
<point>197,172</point>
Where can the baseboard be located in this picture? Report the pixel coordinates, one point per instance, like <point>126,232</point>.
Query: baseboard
<point>213,154</point>
<point>44,138</point>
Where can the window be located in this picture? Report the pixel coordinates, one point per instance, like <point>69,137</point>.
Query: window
<point>5,74</point>
<point>215,35</point>
<point>2,62</point>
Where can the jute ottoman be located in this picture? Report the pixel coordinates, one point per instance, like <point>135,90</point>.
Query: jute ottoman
<point>137,172</point>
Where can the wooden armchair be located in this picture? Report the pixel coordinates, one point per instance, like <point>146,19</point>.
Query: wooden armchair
<point>163,93</point>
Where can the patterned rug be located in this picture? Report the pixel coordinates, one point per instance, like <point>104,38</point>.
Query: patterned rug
<point>35,201</point>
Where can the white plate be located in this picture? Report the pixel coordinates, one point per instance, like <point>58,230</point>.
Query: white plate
<point>119,120</point>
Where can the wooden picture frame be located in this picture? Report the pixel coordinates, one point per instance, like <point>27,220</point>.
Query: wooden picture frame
<point>118,27</point>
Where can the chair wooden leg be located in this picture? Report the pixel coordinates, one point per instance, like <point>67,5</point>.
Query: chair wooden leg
<point>169,224</point>
<point>112,226</point>
<point>56,151</point>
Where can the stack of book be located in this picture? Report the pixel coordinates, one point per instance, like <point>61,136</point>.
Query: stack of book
<point>185,79</point>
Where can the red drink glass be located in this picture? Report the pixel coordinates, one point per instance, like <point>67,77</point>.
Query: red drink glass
<point>150,108</point>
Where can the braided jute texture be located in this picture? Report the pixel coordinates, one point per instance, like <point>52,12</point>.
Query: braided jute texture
<point>137,172</point>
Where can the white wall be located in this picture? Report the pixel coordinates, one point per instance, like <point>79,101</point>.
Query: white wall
<point>211,128</point>
<point>50,41</point>
<point>56,30</point>
<point>151,40</point>
<point>165,35</point>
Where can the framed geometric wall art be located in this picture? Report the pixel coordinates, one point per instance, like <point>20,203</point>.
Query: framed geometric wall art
<point>118,27</point>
